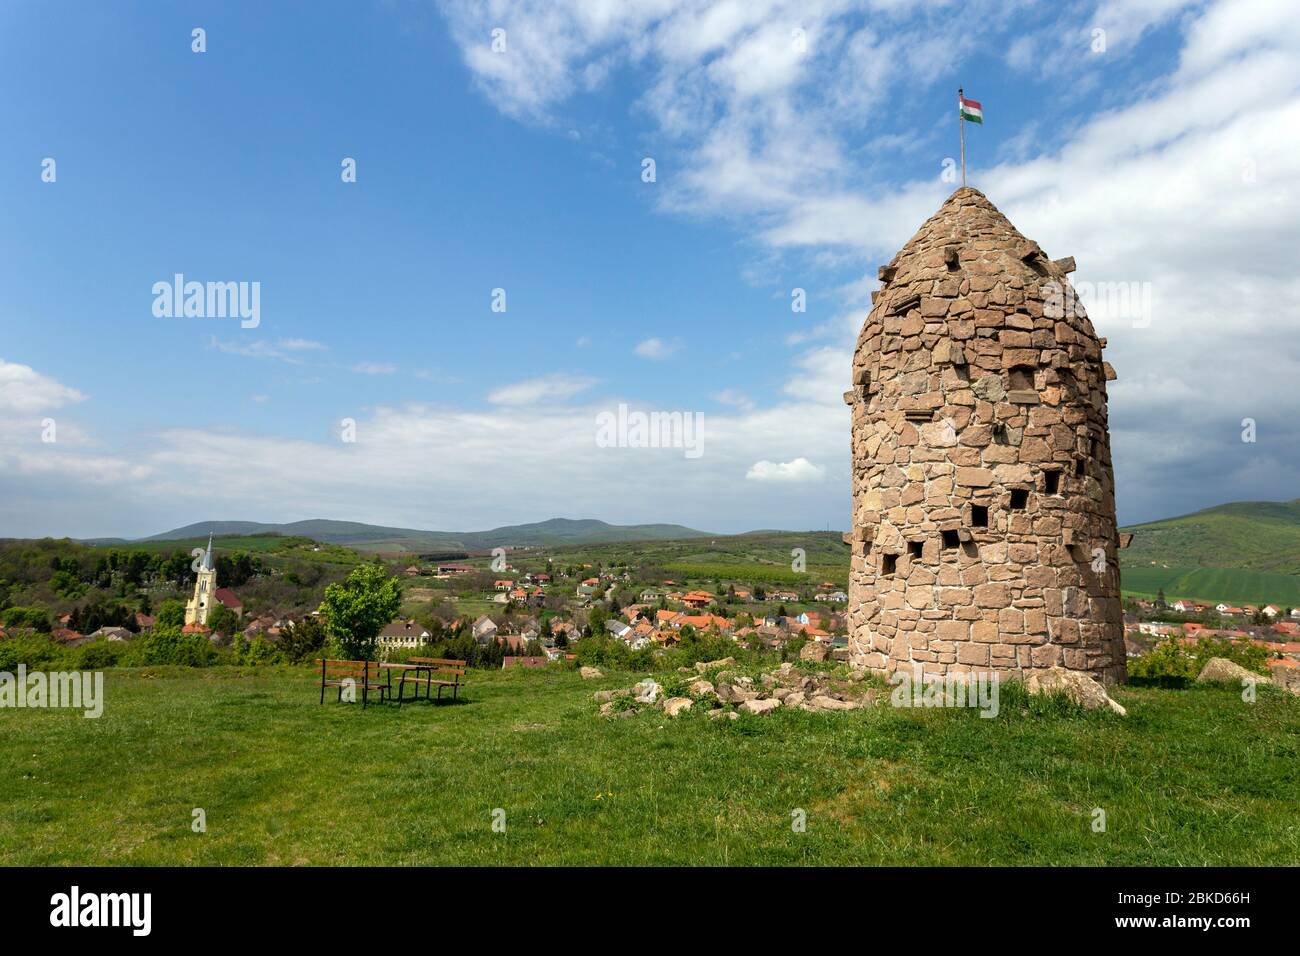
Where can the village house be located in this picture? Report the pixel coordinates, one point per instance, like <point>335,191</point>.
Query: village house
<point>618,628</point>
<point>400,633</point>
<point>698,599</point>
<point>229,599</point>
<point>567,628</point>
<point>484,630</point>
<point>68,637</point>
<point>516,643</point>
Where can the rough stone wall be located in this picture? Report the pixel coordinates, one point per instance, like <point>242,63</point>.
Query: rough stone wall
<point>968,393</point>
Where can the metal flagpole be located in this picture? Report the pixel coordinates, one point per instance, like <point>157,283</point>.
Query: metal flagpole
<point>961,126</point>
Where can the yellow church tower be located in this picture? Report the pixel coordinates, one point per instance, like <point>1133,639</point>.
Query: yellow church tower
<point>205,589</point>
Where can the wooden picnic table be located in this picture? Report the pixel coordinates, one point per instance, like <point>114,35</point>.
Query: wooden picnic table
<point>407,667</point>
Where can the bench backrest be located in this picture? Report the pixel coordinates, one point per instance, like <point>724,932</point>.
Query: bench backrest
<point>337,670</point>
<point>440,665</point>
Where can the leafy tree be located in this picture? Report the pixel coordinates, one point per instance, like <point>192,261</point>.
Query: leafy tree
<point>170,614</point>
<point>303,639</point>
<point>222,620</point>
<point>66,585</point>
<point>356,610</point>
<point>36,618</point>
<point>97,613</point>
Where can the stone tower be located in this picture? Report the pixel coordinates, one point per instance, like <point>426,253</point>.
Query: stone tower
<point>984,534</point>
<point>205,589</point>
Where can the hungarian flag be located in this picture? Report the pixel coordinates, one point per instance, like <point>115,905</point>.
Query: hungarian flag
<point>970,110</point>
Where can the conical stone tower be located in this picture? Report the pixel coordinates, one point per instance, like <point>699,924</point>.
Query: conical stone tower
<point>984,534</point>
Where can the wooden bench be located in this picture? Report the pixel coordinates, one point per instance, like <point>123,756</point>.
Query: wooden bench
<point>363,675</point>
<point>451,673</point>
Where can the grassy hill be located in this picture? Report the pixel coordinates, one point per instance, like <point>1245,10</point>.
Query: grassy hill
<point>760,557</point>
<point>367,537</point>
<point>1234,585</point>
<point>1190,778</point>
<point>1249,535</point>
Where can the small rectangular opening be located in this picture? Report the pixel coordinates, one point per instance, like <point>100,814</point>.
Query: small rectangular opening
<point>999,433</point>
<point>1079,467</point>
<point>979,516</point>
<point>1019,498</point>
<point>914,548</point>
<point>888,564</point>
<point>951,539</point>
<point>1021,377</point>
<point>1051,482</point>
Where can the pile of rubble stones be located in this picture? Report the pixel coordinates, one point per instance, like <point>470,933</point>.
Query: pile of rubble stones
<point>783,687</point>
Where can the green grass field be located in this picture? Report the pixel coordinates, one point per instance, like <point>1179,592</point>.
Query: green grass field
<point>1190,777</point>
<point>1236,585</point>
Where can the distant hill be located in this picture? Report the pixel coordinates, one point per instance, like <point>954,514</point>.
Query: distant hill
<point>367,537</point>
<point>1249,535</point>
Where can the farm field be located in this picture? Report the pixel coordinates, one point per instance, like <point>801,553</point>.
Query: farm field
<point>1235,585</point>
<point>1190,777</point>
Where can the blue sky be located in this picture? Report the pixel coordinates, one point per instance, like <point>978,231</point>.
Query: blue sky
<point>780,164</point>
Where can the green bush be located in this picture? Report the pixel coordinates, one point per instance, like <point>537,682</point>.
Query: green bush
<point>303,640</point>
<point>35,650</point>
<point>98,655</point>
<point>1172,664</point>
<point>255,652</point>
<point>166,645</point>
<point>36,618</point>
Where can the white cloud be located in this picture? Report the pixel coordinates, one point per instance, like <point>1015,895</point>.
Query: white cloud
<point>1145,189</point>
<point>735,399</point>
<point>534,390</point>
<point>286,350</point>
<point>24,391</point>
<point>1196,202</point>
<point>656,349</point>
<point>374,368</point>
<point>798,471</point>
<point>302,345</point>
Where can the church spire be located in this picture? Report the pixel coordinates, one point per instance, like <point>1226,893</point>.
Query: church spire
<point>207,557</point>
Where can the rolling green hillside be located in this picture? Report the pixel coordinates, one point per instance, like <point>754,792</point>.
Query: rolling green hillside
<point>760,557</point>
<point>367,537</point>
<point>1248,535</point>
<point>1234,585</point>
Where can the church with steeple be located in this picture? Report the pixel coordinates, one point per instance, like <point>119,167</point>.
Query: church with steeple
<point>205,590</point>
